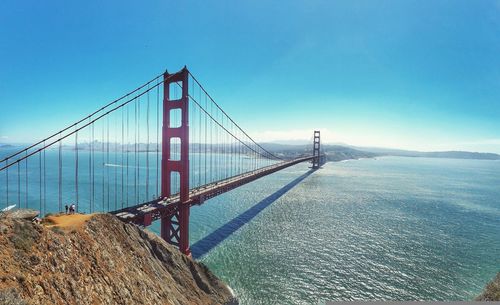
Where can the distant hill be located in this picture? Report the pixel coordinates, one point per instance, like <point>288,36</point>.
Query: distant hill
<point>345,152</point>
<point>339,153</point>
<point>435,154</point>
<point>333,152</point>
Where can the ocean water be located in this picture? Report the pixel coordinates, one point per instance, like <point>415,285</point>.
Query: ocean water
<point>388,229</point>
<point>102,181</point>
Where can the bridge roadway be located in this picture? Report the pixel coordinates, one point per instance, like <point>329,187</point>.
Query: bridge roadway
<point>143,214</point>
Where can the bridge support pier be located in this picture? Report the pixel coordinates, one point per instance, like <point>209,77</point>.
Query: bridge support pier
<point>175,228</point>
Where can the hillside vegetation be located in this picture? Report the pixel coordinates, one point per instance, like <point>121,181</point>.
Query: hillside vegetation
<point>98,260</point>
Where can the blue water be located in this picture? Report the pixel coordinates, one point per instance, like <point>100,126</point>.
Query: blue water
<point>103,181</point>
<point>387,228</point>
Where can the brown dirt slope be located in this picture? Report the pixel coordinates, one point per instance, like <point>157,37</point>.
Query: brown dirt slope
<point>100,261</point>
<point>492,290</point>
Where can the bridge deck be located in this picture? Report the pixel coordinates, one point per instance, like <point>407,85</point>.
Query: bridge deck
<point>146,212</point>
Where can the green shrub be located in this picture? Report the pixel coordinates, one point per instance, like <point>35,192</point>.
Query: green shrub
<point>24,235</point>
<point>11,297</point>
<point>57,230</point>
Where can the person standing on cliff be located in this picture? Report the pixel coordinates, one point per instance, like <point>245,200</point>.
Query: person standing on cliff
<point>66,207</point>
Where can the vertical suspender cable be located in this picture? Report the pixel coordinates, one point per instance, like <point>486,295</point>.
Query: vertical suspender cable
<point>103,166</point>
<point>40,179</point>
<point>44,181</point>
<point>199,143</point>
<point>205,143</point>
<point>107,163</point>
<point>90,166</point>
<point>157,139</point>
<point>116,162</point>
<point>26,178</point>
<point>18,184</point>
<point>147,146</point>
<point>76,169</point>
<point>60,174</point>
<point>93,171</point>
<point>211,146</point>
<point>138,152</point>
<point>7,183</point>
<point>127,153</point>
<point>122,161</point>
<point>135,153</point>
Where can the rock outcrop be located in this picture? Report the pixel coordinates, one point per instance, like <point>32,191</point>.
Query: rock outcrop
<point>98,260</point>
<point>492,291</point>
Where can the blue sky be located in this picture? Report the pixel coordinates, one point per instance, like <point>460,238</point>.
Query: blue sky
<point>409,74</point>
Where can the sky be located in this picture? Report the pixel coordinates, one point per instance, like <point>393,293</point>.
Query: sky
<point>421,75</point>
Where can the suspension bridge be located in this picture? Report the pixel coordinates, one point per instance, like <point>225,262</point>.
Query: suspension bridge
<point>149,155</point>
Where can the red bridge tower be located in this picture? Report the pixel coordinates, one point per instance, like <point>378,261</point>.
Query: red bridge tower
<point>175,228</point>
<point>316,153</point>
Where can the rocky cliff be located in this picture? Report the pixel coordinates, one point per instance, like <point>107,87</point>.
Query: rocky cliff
<point>97,259</point>
<point>492,290</point>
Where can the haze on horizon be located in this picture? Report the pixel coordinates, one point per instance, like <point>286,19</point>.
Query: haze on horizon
<point>419,75</point>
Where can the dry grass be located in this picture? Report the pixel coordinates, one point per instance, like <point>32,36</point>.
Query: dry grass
<point>67,222</point>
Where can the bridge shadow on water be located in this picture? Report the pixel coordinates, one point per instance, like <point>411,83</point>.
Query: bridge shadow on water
<point>204,245</point>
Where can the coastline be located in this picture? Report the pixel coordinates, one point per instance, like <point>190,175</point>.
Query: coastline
<point>491,291</point>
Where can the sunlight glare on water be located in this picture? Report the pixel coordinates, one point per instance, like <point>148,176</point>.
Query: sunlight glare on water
<point>388,229</point>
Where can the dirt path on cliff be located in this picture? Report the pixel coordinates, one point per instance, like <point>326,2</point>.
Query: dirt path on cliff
<point>67,221</point>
